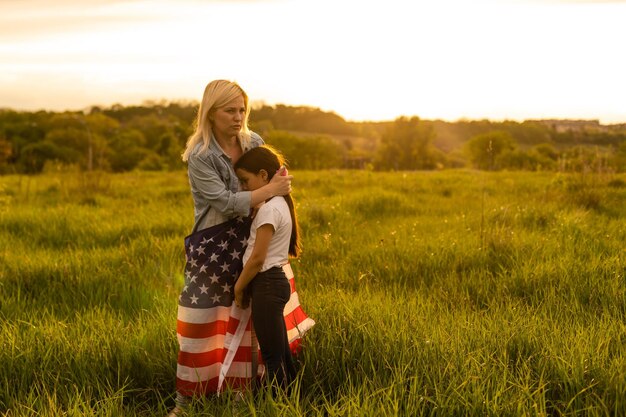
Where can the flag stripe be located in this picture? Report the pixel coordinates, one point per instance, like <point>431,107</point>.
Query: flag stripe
<point>202,359</point>
<point>297,332</point>
<point>214,335</point>
<point>204,373</point>
<point>202,315</point>
<point>200,330</point>
<point>204,345</point>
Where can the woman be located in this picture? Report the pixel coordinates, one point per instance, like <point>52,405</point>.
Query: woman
<point>220,138</point>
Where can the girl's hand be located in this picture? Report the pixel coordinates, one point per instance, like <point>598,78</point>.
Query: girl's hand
<point>281,182</point>
<point>242,300</point>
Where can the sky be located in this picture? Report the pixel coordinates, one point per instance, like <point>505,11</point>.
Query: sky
<point>363,59</point>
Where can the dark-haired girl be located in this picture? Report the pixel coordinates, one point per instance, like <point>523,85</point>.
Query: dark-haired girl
<point>273,237</point>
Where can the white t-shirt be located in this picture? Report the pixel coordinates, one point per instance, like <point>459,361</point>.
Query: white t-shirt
<point>274,212</point>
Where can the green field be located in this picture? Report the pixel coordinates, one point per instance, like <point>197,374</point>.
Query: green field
<point>435,293</point>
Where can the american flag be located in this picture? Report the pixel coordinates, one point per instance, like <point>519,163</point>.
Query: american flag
<point>215,336</point>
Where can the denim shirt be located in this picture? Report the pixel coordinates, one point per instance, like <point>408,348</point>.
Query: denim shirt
<point>214,185</point>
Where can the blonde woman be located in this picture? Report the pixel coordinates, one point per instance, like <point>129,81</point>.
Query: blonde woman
<point>220,139</point>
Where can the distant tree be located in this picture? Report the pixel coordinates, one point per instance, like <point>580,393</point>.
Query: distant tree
<point>484,149</point>
<point>407,144</point>
<point>517,159</point>
<point>288,144</point>
<point>169,150</point>
<point>6,151</point>
<point>34,156</point>
<point>314,152</point>
<point>151,162</point>
<point>320,152</point>
<point>547,150</point>
<point>545,155</point>
<point>127,150</point>
<point>301,118</point>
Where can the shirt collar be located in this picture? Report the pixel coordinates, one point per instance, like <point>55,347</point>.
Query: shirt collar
<point>216,149</point>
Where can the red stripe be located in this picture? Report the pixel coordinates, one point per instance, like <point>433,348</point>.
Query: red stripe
<point>199,360</point>
<point>233,323</point>
<point>292,282</point>
<point>294,318</point>
<point>203,330</point>
<point>296,346</point>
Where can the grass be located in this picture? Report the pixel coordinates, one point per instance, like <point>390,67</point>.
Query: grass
<point>435,293</point>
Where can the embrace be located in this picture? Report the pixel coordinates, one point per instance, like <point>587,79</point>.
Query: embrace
<point>239,293</point>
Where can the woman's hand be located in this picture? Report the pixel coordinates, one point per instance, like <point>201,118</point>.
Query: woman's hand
<point>242,299</point>
<point>281,182</point>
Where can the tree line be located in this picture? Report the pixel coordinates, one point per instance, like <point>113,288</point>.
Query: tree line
<point>152,136</point>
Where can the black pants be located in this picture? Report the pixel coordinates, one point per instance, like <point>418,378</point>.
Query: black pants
<point>270,292</point>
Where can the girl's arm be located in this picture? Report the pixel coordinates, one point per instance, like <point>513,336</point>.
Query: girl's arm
<point>252,267</point>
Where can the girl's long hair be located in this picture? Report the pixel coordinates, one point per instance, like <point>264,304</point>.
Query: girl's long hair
<point>267,158</point>
<point>216,94</point>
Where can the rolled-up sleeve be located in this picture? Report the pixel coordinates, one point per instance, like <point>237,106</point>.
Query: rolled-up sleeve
<point>208,188</point>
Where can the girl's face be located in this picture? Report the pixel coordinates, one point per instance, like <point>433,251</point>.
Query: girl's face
<point>227,121</point>
<point>250,181</point>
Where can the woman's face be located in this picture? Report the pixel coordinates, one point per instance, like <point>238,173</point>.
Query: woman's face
<point>227,121</point>
<point>250,181</point>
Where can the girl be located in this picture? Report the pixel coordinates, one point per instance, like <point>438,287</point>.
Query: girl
<point>273,237</point>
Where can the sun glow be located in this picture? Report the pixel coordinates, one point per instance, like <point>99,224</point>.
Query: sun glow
<point>364,60</point>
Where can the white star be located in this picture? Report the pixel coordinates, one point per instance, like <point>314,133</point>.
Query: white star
<point>203,268</point>
<point>214,257</point>
<point>223,245</point>
<point>203,289</point>
<point>216,298</point>
<point>226,287</point>
<point>239,219</point>
<point>200,250</point>
<point>187,274</point>
<point>231,232</point>
<point>194,299</point>
<point>185,288</point>
<point>193,262</point>
<point>214,278</point>
<point>235,254</point>
<point>244,241</point>
<point>193,278</point>
<point>225,267</point>
<point>205,241</point>
<point>191,249</point>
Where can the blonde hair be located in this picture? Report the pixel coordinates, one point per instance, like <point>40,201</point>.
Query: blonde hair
<point>217,94</point>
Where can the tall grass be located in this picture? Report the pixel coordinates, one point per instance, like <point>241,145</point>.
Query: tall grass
<point>435,293</point>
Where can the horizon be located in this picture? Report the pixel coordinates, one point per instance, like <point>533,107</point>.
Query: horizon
<point>257,103</point>
<point>365,61</point>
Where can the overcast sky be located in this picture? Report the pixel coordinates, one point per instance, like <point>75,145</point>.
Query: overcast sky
<point>376,60</point>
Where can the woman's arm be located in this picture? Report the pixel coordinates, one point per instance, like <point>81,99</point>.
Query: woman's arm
<point>206,177</point>
<point>253,265</point>
<point>209,188</point>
